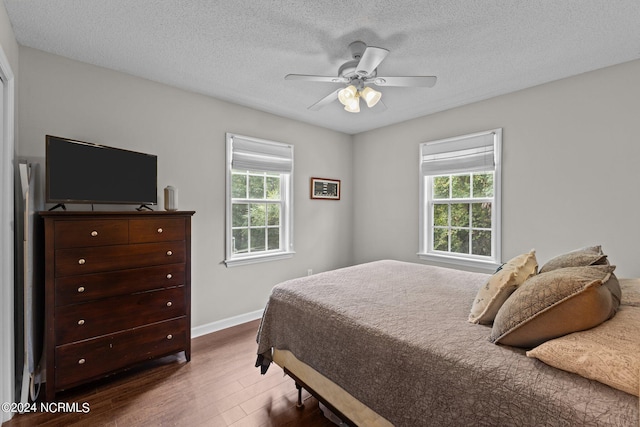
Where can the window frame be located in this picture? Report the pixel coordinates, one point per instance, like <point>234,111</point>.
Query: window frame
<point>286,209</point>
<point>426,220</point>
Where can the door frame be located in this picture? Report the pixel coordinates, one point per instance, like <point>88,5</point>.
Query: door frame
<point>7,156</point>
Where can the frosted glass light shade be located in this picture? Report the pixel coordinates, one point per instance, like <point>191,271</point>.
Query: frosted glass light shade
<point>347,95</point>
<point>371,96</point>
<point>353,106</point>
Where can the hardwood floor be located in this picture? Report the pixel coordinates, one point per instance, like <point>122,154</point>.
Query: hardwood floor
<point>219,387</point>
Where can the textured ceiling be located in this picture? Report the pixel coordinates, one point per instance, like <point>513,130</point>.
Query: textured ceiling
<point>240,50</point>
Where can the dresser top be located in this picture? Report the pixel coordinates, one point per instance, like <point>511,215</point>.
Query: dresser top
<point>63,214</point>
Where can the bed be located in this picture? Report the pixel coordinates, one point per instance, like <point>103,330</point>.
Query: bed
<point>390,343</point>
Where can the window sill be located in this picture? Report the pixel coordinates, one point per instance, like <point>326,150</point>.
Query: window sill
<point>453,261</point>
<point>254,259</point>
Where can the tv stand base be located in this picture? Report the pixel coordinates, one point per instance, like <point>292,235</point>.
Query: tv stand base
<point>143,207</point>
<point>59,205</point>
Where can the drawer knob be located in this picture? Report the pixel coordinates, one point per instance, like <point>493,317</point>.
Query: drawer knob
<point>94,233</point>
<point>81,322</point>
<point>169,253</point>
<point>81,261</point>
<point>81,289</point>
<point>81,362</point>
<point>159,230</point>
<point>169,276</point>
<point>169,303</point>
<point>169,337</point>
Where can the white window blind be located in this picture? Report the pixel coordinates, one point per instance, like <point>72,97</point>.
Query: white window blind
<point>258,155</point>
<point>469,154</point>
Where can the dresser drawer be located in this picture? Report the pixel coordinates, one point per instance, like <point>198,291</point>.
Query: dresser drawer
<point>87,287</point>
<point>95,232</point>
<point>74,261</point>
<point>81,321</point>
<point>76,363</point>
<point>156,230</point>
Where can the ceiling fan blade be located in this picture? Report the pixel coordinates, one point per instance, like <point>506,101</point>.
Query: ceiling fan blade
<point>371,58</point>
<point>325,101</point>
<point>419,81</point>
<point>321,79</point>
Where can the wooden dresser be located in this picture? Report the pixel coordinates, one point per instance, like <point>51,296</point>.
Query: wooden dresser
<point>117,292</point>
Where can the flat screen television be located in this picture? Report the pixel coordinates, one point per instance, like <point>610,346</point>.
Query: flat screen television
<point>83,172</point>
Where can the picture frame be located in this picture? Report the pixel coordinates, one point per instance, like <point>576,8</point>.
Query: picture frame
<point>325,188</point>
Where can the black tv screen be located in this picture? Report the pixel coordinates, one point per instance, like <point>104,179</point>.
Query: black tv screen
<point>83,172</point>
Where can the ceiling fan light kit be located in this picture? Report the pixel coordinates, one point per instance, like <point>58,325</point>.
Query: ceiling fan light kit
<point>350,98</point>
<point>356,74</point>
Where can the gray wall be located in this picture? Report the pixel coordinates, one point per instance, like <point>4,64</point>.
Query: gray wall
<point>67,98</point>
<point>8,40</point>
<point>570,170</point>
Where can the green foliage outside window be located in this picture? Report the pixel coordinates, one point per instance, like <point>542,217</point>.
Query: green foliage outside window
<point>256,211</point>
<point>461,218</point>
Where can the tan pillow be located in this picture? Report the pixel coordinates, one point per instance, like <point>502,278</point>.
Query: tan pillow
<point>553,304</point>
<point>591,255</point>
<point>609,353</point>
<point>630,292</point>
<point>495,292</point>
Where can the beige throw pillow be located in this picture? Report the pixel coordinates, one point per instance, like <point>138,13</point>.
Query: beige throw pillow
<point>630,292</point>
<point>495,292</point>
<point>609,353</point>
<point>554,304</point>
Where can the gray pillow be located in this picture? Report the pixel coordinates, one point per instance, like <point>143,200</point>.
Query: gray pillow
<point>591,255</point>
<point>556,303</point>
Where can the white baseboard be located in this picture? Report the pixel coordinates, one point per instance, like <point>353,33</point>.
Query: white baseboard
<point>225,323</point>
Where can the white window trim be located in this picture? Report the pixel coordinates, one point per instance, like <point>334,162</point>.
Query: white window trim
<point>462,260</point>
<point>286,189</point>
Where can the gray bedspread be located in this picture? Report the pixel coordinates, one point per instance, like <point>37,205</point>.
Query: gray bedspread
<point>395,335</point>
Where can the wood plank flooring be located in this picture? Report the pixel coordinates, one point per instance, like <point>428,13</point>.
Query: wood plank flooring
<point>219,387</point>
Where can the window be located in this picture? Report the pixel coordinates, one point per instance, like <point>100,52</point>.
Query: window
<point>259,205</point>
<point>460,199</point>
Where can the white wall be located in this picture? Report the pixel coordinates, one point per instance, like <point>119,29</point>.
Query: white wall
<point>67,98</point>
<point>570,170</point>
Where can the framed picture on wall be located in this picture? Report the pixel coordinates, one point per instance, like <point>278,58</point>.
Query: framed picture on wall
<point>323,188</point>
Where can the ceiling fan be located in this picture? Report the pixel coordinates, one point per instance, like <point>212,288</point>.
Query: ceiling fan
<point>358,74</point>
